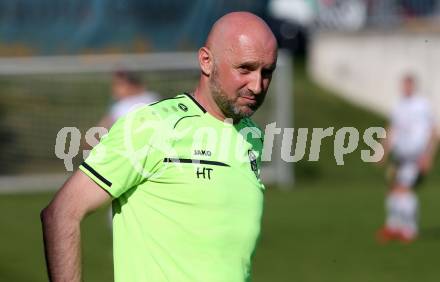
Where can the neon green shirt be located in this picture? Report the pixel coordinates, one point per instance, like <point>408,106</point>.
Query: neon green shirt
<point>188,199</point>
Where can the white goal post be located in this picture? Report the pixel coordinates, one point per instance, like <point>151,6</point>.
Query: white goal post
<point>69,70</point>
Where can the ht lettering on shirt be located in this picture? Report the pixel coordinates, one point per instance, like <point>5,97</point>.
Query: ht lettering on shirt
<point>204,172</point>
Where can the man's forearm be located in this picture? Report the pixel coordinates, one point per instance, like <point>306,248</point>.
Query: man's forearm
<point>62,246</point>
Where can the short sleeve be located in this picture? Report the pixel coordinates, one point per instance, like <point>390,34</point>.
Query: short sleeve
<point>129,154</point>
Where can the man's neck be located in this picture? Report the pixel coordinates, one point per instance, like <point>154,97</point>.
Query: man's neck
<point>208,103</point>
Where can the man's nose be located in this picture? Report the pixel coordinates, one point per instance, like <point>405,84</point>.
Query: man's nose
<point>255,85</point>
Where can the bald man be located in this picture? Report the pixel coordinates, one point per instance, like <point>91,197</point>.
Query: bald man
<point>183,174</point>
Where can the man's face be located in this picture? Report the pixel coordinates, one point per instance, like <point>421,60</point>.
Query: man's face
<point>241,76</point>
<point>408,86</point>
<point>120,88</point>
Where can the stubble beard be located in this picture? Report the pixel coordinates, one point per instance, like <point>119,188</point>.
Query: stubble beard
<point>227,105</point>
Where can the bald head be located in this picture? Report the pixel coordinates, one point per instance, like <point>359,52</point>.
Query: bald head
<point>237,27</point>
<point>237,62</point>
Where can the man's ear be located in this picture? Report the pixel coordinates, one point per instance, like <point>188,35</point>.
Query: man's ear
<point>205,60</point>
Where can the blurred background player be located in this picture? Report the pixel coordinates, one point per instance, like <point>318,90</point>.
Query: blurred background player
<point>411,143</point>
<point>128,93</point>
<point>42,92</point>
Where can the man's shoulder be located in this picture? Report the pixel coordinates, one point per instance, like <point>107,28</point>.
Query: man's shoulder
<point>248,121</point>
<point>170,110</point>
<point>420,103</point>
<point>155,121</point>
<point>254,134</point>
<point>423,100</point>
<point>252,125</point>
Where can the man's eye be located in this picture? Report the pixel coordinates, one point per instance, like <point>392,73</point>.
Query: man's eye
<point>243,70</point>
<point>267,73</point>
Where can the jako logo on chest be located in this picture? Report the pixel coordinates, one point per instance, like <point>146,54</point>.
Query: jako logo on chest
<point>202,153</point>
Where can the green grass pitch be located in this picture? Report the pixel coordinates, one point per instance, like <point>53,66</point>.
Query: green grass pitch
<point>321,231</point>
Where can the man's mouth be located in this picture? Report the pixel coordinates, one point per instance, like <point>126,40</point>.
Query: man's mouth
<point>249,99</point>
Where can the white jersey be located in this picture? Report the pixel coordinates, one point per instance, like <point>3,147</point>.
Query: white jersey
<point>411,122</point>
<point>126,105</point>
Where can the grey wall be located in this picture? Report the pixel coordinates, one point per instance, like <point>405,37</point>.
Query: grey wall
<point>366,68</point>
